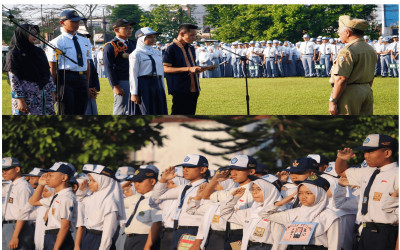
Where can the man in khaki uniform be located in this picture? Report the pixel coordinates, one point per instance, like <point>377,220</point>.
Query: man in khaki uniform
<point>352,73</point>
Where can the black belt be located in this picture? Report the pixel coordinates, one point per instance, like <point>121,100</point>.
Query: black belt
<point>373,224</point>
<point>132,235</point>
<point>186,227</point>
<point>149,76</point>
<point>385,55</point>
<point>219,233</point>
<point>236,231</point>
<point>357,83</point>
<point>9,221</point>
<point>52,231</point>
<point>73,72</point>
<point>253,244</point>
<point>92,231</point>
<point>167,229</point>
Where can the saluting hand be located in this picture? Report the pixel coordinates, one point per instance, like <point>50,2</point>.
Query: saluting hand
<point>343,181</point>
<point>345,154</point>
<point>84,185</point>
<point>285,200</point>
<point>239,192</point>
<point>168,174</point>
<point>221,175</point>
<point>43,179</point>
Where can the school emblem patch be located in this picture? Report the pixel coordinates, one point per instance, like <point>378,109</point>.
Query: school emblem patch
<point>71,208</point>
<point>141,213</point>
<point>234,160</point>
<point>4,161</point>
<point>366,141</point>
<point>312,178</point>
<point>11,200</point>
<point>328,169</point>
<point>215,219</point>
<point>259,232</point>
<point>136,172</point>
<point>76,13</point>
<point>295,163</point>
<point>377,196</point>
<point>187,158</point>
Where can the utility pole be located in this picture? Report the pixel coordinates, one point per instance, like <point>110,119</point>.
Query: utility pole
<point>104,28</point>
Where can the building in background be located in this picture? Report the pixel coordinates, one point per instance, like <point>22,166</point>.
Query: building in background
<point>387,16</point>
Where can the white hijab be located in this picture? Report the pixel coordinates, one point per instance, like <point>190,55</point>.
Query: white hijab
<point>318,212</point>
<point>145,49</point>
<point>108,198</point>
<point>270,195</point>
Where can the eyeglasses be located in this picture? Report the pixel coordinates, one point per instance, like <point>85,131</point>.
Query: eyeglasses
<point>7,169</point>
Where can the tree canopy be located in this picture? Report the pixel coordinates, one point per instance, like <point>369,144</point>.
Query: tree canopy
<point>247,22</point>
<point>42,141</point>
<point>280,139</point>
<point>130,12</point>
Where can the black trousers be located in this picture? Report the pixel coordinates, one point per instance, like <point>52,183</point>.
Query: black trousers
<point>73,93</point>
<point>50,241</point>
<point>378,236</point>
<point>166,238</point>
<point>184,103</point>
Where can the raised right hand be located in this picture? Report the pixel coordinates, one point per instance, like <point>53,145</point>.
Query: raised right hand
<point>168,174</point>
<point>345,154</point>
<point>285,200</point>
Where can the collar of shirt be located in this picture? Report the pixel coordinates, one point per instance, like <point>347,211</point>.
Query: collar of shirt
<point>68,35</point>
<point>148,194</point>
<point>198,182</point>
<point>122,40</point>
<point>18,181</point>
<point>389,167</point>
<point>65,190</point>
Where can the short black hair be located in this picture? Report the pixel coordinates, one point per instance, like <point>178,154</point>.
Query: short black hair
<point>186,27</point>
<point>357,32</point>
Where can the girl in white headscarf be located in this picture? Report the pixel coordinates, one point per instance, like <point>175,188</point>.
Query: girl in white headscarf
<point>146,77</point>
<point>257,232</point>
<point>41,218</point>
<point>314,200</point>
<point>103,211</point>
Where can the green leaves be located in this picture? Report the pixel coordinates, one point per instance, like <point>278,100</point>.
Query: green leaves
<point>41,141</point>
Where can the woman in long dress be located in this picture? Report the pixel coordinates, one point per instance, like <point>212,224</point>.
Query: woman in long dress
<point>32,88</point>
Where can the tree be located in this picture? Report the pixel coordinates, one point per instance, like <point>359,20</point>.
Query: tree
<point>166,18</point>
<point>283,22</point>
<point>130,12</point>
<point>279,139</point>
<point>42,141</point>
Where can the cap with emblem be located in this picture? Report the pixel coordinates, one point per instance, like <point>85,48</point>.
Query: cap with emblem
<point>193,160</point>
<point>146,31</point>
<point>122,23</point>
<point>331,169</point>
<point>144,172</point>
<point>366,37</point>
<point>35,172</point>
<point>269,42</point>
<point>347,21</point>
<point>275,41</point>
<point>302,164</point>
<point>71,15</point>
<point>123,172</point>
<point>98,169</point>
<point>240,162</point>
<point>317,181</point>
<point>376,141</point>
<point>306,36</point>
<point>395,36</point>
<point>10,162</point>
<point>62,167</point>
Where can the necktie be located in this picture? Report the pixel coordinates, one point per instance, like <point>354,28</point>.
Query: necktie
<point>51,203</point>
<point>153,65</point>
<point>78,51</point>
<point>181,203</point>
<point>364,207</point>
<point>134,212</point>
<point>296,202</point>
<point>6,201</point>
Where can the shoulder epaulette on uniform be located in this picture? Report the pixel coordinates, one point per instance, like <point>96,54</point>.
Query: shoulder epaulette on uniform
<point>115,46</point>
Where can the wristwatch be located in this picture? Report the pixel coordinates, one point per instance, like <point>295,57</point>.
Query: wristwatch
<point>332,100</point>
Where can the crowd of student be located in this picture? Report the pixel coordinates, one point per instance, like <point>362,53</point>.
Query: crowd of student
<point>188,206</point>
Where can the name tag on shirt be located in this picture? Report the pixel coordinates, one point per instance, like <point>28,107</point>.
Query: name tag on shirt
<point>215,219</point>
<point>298,233</point>
<point>10,200</point>
<point>53,211</point>
<point>377,196</point>
<point>259,232</point>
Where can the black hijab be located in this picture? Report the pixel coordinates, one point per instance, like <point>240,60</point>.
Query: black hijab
<point>25,60</point>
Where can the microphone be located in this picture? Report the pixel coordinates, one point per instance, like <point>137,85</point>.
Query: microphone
<point>7,14</point>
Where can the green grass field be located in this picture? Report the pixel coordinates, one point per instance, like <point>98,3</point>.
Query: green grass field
<point>268,96</point>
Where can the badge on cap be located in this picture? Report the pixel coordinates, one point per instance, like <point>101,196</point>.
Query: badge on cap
<point>187,158</point>
<point>136,172</point>
<point>234,160</point>
<point>366,140</point>
<point>76,13</point>
<point>295,163</point>
<point>312,178</point>
<point>328,169</point>
<point>4,161</point>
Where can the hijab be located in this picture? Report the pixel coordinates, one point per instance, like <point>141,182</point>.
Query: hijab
<point>25,60</point>
<point>107,199</point>
<point>144,48</point>
<point>318,212</point>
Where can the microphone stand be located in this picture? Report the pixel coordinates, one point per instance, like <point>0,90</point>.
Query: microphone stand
<point>243,59</point>
<point>58,52</point>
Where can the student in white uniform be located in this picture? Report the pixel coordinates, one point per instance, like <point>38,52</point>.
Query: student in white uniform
<point>257,233</point>
<point>33,177</point>
<point>204,60</point>
<point>62,205</point>
<point>103,210</point>
<point>40,219</point>
<point>194,169</point>
<point>17,231</point>
<point>377,182</point>
<point>314,199</point>
<point>143,223</point>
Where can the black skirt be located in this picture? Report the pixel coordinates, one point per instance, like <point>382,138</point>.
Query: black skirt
<point>152,96</point>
